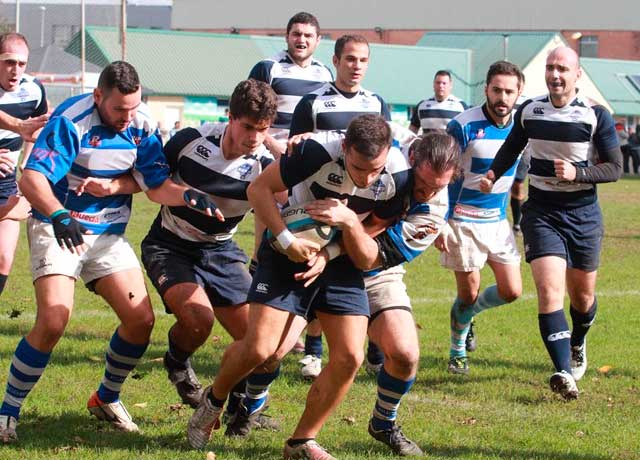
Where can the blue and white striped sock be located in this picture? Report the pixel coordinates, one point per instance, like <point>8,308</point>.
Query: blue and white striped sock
<point>390,391</point>
<point>487,299</point>
<point>121,358</point>
<point>27,366</point>
<point>460,322</point>
<point>258,390</point>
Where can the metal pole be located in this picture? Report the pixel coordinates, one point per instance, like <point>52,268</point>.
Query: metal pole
<point>506,46</point>
<point>17,16</point>
<point>83,45</point>
<point>43,10</point>
<point>123,29</point>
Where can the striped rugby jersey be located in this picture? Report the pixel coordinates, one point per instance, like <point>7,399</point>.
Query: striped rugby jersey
<point>328,108</point>
<point>290,82</point>
<point>429,114</point>
<point>479,139</point>
<point>316,170</point>
<point>196,160</point>
<point>28,100</point>
<point>75,144</point>
<point>581,132</point>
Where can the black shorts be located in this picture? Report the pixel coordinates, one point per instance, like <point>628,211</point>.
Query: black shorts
<point>219,269</point>
<point>339,290</point>
<point>574,234</point>
<point>8,187</point>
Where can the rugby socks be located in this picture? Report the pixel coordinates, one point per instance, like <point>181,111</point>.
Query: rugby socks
<point>487,299</point>
<point>374,354</point>
<point>177,358</point>
<point>390,391</point>
<point>27,366</point>
<point>555,335</point>
<point>313,345</point>
<point>460,322</point>
<point>516,210</point>
<point>258,390</point>
<point>3,281</point>
<point>582,323</point>
<point>121,358</point>
<point>236,396</point>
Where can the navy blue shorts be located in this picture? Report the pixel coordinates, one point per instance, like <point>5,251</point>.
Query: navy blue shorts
<point>8,187</point>
<point>339,290</point>
<point>574,234</point>
<point>219,269</point>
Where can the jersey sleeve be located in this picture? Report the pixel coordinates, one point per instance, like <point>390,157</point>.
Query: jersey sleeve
<point>384,109</point>
<point>455,129</point>
<point>55,149</point>
<point>262,71</point>
<point>302,118</point>
<point>42,107</point>
<point>464,104</point>
<point>508,153</point>
<point>151,168</point>
<point>415,117</point>
<point>308,157</point>
<point>175,145</point>
<point>411,236</point>
<point>605,138</point>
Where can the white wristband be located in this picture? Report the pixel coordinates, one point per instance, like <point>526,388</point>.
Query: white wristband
<point>333,250</point>
<point>285,238</point>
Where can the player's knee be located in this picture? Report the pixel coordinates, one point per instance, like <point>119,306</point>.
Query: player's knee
<point>404,357</point>
<point>510,293</point>
<point>582,301</point>
<point>141,324</point>
<point>347,362</point>
<point>50,331</point>
<point>468,297</point>
<point>257,353</point>
<point>197,320</point>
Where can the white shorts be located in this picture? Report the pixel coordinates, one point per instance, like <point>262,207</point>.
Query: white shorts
<point>386,291</point>
<point>105,254</point>
<point>471,244</point>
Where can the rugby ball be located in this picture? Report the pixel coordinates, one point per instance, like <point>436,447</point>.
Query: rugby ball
<point>301,225</point>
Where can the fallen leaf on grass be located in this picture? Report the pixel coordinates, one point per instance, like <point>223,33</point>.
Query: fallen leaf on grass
<point>155,360</point>
<point>604,370</point>
<point>211,456</point>
<point>141,405</point>
<point>95,359</point>
<point>418,326</point>
<point>215,339</point>
<point>138,375</point>
<point>350,420</point>
<point>176,407</point>
<point>64,449</point>
<point>469,421</point>
<point>580,434</point>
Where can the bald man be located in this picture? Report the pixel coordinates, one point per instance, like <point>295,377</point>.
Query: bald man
<point>566,135</point>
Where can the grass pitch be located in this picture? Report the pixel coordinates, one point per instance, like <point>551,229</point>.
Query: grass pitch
<point>502,410</point>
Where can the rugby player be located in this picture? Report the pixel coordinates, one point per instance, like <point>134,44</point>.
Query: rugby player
<point>107,134</point>
<point>478,231</point>
<point>292,74</point>
<point>329,108</point>
<point>192,260</point>
<point>374,178</point>
<point>21,97</point>
<point>435,112</point>
<point>573,146</point>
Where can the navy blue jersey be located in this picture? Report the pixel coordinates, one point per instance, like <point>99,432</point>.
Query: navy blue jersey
<point>582,132</point>
<point>329,109</point>
<point>290,82</point>
<point>197,161</point>
<point>316,171</point>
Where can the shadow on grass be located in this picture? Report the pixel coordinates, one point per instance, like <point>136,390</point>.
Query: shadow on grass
<point>376,450</point>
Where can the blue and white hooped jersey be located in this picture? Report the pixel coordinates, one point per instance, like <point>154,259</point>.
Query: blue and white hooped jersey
<point>329,109</point>
<point>429,114</point>
<point>75,145</point>
<point>316,170</point>
<point>479,139</point>
<point>575,133</point>
<point>28,100</point>
<point>197,161</point>
<point>290,82</point>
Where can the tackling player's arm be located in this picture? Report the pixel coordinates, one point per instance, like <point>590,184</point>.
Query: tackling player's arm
<point>415,120</point>
<point>26,128</point>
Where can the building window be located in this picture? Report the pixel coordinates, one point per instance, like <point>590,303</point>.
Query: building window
<point>589,46</point>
